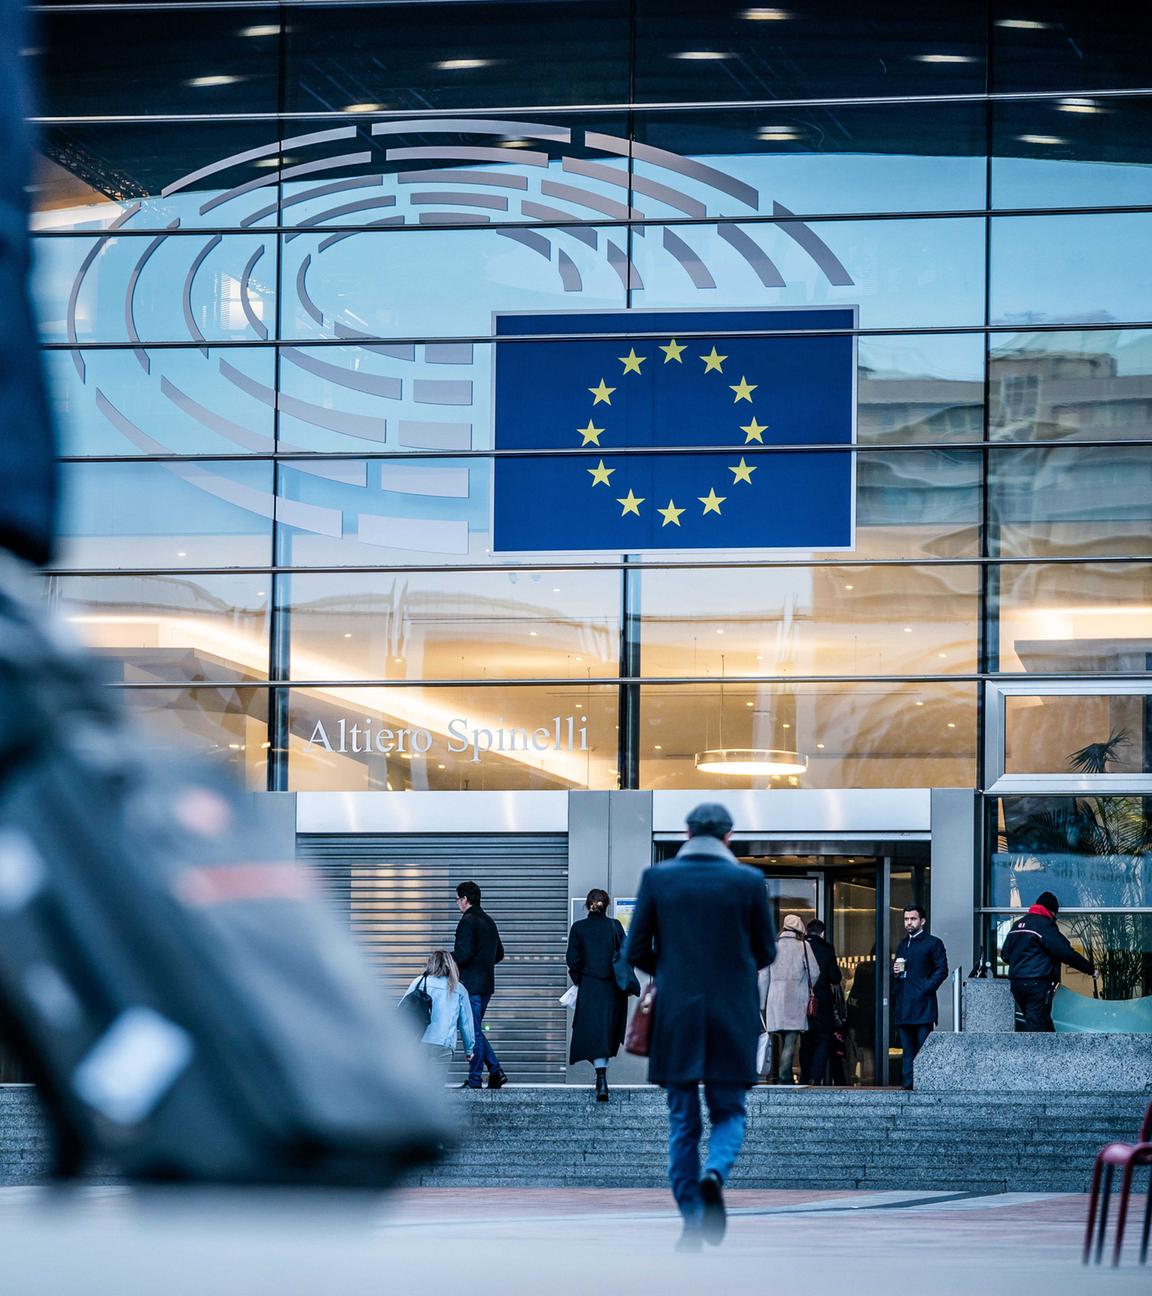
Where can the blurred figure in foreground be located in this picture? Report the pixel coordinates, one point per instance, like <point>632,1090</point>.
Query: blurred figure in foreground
<point>703,929</point>
<point>601,1005</point>
<point>451,1010</point>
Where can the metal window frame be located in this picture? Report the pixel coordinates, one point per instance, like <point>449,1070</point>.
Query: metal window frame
<point>996,694</point>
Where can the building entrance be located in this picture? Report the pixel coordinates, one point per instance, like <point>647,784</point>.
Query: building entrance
<point>858,890</point>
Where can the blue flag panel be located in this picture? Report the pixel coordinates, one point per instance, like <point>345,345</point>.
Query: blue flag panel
<point>740,394</point>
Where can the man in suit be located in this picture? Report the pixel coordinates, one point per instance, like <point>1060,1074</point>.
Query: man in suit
<point>702,928</point>
<point>919,970</point>
<point>477,951</point>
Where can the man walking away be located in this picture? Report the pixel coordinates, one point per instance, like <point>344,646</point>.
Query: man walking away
<point>816,1042</point>
<point>702,928</point>
<point>477,951</point>
<point>920,969</point>
<point>1034,950</point>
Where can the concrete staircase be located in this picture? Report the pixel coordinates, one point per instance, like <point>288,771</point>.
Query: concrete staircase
<point>523,1136</point>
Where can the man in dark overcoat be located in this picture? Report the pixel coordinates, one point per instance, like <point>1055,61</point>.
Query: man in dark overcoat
<point>702,928</point>
<point>919,970</point>
<point>816,1041</point>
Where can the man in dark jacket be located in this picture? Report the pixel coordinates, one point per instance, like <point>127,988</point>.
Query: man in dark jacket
<point>816,1041</point>
<point>477,951</point>
<point>919,970</point>
<point>702,928</point>
<point>1034,950</point>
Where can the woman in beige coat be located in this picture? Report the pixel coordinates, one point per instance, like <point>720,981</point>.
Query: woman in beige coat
<point>787,983</point>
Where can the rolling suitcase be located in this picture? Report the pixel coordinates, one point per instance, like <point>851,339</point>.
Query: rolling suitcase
<point>185,1000</point>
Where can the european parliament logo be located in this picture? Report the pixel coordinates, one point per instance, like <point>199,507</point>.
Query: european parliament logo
<point>723,399</point>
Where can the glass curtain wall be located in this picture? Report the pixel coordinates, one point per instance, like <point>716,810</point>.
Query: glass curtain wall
<point>276,258</point>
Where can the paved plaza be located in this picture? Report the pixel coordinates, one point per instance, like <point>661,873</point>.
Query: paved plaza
<point>544,1241</point>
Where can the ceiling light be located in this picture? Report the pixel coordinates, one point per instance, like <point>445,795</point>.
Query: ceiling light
<point>363,107</point>
<point>766,15</point>
<point>944,58</point>
<point>700,56</point>
<point>849,587</point>
<point>181,553</point>
<point>204,82</point>
<point>532,634</point>
<point>658,747</point>
<point>907,629</point>
<point>749,704</point>
<point>439,766</point>
<point>268,30</point>
<point>348,635</point>
<point>1022,24</point>
<point>819,746</point>
<point>951,724</point>
<point>463,64</point>
<point>555,589</point>
<point>267,162</point>
<point>1079,106</point>
<point>517,143</point>
<point>751,761</point>
<point>919,703</point>
<point>1041,139</point>
<point>767,133</point>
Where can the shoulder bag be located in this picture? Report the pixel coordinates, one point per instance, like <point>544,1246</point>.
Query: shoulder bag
<point>638,1040</point>
<point>417,1003</point>
<point>813,1008</point>
<point>622,970</point>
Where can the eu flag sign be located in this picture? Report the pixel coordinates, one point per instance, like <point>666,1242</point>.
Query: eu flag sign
<point>736,394</point>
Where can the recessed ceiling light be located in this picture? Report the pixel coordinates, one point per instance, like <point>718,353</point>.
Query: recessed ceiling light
<point>348,635</point>
<point>267,162</point>
<point>658,747</point>
<point>363,107</point>
<point>951,724</point>
<point>204,82</point>
<point>766,15</point>
<point>555,589</point>
<point>267,30</point>
<point>701,56</point>
<point>919,703</point>
<point>787,726</point>
<point>777,133</point>
<point>517,143</point>
<point>1041,139</point>
<point>907,629</point>
<point>749,704</point>
<point>181,553</point>
<point>439,766</point>
<point>1022,24</point>
<point>848,587</point>
<point>1079,106</point>
<point>532,634</point>
<point>463,64</point>
<point>819,746</point>
<point>944,58</point>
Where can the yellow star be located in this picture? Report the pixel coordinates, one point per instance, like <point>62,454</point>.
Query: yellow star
<point>590,433</point>
<point>602,393</point>
<point>713,361</point>
<point>744,389</point>
<point>673,351</point>
<point>712,501</point>
<point>631,503</point>
<point>670,514</point>
<point>755,431</point>
<point>631,363</point>
<point>742,472</point>
<point>600,474</point>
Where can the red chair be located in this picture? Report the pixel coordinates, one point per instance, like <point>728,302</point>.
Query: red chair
<point>1125,1156</point>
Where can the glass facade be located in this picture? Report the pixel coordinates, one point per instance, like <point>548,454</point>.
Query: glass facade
<point>271,257</point>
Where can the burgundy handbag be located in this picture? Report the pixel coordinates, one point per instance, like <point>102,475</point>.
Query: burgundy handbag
<point>639,1037</point>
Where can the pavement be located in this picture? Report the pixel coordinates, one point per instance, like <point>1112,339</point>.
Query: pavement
<point>110,1240</point>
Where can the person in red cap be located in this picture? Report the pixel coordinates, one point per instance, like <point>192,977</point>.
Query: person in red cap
<point>1034,950</point>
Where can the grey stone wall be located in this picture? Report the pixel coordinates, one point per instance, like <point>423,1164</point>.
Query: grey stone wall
<point>1091,1063</point>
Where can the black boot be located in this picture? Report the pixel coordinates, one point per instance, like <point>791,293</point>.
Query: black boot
<point>601,1084</point>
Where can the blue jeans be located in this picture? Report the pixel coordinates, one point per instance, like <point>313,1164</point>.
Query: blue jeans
<point>726,1104</point>
<point>483,1056</point>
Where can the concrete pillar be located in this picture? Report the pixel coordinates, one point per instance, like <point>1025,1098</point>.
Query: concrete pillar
<point>954,890</point>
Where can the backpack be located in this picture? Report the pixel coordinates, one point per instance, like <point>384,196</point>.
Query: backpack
<point>416,1006</point>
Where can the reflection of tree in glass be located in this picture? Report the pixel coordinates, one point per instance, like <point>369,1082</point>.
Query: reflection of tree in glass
<point>1115,831</point>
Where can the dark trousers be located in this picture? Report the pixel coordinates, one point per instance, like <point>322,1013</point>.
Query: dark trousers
<point>483,1056</point>
<point>1033,996</point>
<point>912,1039</point>
<point>815,1053</point>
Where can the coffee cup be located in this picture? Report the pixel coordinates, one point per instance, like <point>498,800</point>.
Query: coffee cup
<point>898,967</point>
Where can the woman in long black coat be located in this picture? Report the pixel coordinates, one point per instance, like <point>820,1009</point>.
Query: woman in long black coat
<point>601,1006</point>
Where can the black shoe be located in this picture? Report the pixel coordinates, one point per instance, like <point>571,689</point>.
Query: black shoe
<point>497,1080</point>
<point>601,1084</point>
<point>714,1220</point>
<point>690,1240</point>
<point>466,1085</point>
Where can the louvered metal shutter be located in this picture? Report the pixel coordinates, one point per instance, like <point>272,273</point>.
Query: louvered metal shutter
<point>399,895</point>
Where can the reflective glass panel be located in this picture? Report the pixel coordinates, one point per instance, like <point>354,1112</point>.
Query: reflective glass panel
<point>825,48</point>
<point>455,625</point>
<point>1068,45</point>
<point>809,621</point>
<point>174,628</point>
<point>927,388</point>
<point>162,288</point>
<point>1077,734</point>
<point>147,175</point>
<point>901,274</point>
<point>1072,152</point>
<point>225,725</point>
<point>187,402</point>
<point>166,514</point>
<point>353,739</point>
<point>1070,269</point>
<point>850,158</point>
<point>866,734</point>
<point>1062,618</point>
<point>1120,945</point>
<point>464,55</point>
<point>126,62</point>
<point>1063,386</point>
<point>1063,501</point>
<point>444,283</point>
